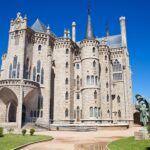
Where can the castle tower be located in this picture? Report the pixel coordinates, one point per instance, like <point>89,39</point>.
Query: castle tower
<point>90,74</point>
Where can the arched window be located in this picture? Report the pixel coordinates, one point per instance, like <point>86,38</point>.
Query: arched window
<point>91,111</point>
<point>66,96</point>
<point>96,80</point>
<point>94,64</point>
<point>78,96</point>
<point>119,114</point>
<point>105,57</point>
<point>14,74</point>
<point>66,64</point>
<point>107,85</point>
<point>66,81</point>
<point>38,66</point>
<point>108,113</point>
<point>88,80</point>
<point>95,112</point>
<point>42,76</point>
<point>93,49</point>
<point>118,99</point>
<point>78,66</point>
<point>92,80</point>
<point>66,112</point>
<point>15,62</point>
<point>39,102</point>
<point>78,82</point>
<point>107,98</point>
<point>18,70</point>
<point>99,112</point>
<point>34,73</point>
<point>10,71</point>
<point>116,66</point>
<point>39,48</point>
<point>38,78</point>
<point>67,51</point>
<point>95,95</point>
<point>106,70</point>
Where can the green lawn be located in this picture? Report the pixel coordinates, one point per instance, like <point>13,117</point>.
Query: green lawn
<point>130,144</point>
<point>10,141</point>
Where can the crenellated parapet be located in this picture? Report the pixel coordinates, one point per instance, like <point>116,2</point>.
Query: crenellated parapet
<point>87,42</point>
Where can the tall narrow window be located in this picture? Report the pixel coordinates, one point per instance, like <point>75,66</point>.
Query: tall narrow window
<point>38,78</point>
<point>66,81</point>
<point>95,95</point>
<point>96,80</point>
<point>93,49</point>
<point>66,64</point>
<point>94,64</point>
<point>34,74</point>
<point>66,96</point>
<point>92,80</point>
<point>117,70</point>
<point>14,74</point>
<point>107,85</point>
<point>88,80</point>
<point>98,112</point>
<point>41,104</point>
<point>78,66</point>
<point>10,71</point>
<point>38,66</point>
<point>91,111</point>
<point>118,99</point>
<point>107,98</point>
<point>95,112</point>
<point>119,114</point>
<point>106,70</point>
<point>15,62</point>
<point>42,76</point>
<point>78,82</point>
<point>66,112</point>
<point>39,48</point>
<point>67,51</point>
<point>78,96</point>
<point>18,70</point>
<point>108,113</point>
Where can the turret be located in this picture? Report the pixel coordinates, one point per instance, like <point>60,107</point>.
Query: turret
<point>73,31</point>
<point>123,31</point>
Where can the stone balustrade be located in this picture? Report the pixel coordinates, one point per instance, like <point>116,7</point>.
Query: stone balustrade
<point>19,82</point>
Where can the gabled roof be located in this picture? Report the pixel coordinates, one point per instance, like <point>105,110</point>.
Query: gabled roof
<point>38,26</point>
<point>113,41</point>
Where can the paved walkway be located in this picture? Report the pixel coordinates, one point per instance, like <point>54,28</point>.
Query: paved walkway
<point>66,140</point>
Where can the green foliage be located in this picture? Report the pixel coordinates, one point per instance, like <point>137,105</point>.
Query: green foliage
<point>148,128</point>
<point>129,144</point>
<point>1,132</point>
<point>32,132</point>
<point>10,130</point>
<point>24,131</point>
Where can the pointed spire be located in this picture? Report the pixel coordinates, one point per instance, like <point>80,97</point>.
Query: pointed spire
<point>89,31</point>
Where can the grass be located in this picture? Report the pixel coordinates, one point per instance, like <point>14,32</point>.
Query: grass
<point>130,144</point>
<point>10,141</point>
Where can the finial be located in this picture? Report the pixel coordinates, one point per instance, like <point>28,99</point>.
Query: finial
<point>48,27</point>
<point>89,7</point>
<point>18,14</point>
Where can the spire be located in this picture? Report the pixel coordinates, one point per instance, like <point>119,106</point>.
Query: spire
<point>89,31</point>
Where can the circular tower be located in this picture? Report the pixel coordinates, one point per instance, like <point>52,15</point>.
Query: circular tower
<point>90,75</point>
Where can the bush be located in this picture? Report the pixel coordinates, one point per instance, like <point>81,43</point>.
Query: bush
<point>24,131</point>
<point>1,132</point>
<point>148,128</point>
<point>32,131</point>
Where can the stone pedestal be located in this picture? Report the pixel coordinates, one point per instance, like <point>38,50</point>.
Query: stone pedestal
<point>142,134</point>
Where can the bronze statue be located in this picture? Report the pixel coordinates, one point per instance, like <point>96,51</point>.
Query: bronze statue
<point>143,107</point>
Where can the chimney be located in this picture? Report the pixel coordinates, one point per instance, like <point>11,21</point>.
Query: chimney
<point>74,31</point>
<point>123,31</point>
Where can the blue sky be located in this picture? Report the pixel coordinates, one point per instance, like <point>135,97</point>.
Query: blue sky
<point>59,14</point>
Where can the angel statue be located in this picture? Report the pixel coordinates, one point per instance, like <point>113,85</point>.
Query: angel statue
<point>144,108</point>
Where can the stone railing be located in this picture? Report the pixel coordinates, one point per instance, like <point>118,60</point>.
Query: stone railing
<point>19,82</point>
